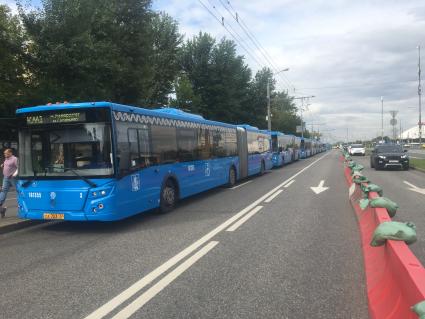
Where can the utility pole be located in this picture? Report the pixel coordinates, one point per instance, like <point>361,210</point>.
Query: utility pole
<point>302,98</point>
<point>269,115</point>
<point>382,119</point>
<point>419,94</point>
<point>393,123</point>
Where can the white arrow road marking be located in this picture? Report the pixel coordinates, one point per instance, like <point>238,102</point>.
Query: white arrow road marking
<point>319,188</point>
<point>415,188</point>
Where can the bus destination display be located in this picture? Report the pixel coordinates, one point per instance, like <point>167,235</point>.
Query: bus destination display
<point>56,118</point>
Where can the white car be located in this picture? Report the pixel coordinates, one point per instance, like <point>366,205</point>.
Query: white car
<point>357,149</point>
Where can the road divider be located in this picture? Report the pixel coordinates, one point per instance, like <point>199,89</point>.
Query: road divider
<point>395,278</point>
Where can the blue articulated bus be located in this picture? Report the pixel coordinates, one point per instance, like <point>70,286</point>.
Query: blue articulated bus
<point>105,161</point>
<point>259,153</point>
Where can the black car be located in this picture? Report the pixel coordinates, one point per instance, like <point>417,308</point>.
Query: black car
<point>389,156</point>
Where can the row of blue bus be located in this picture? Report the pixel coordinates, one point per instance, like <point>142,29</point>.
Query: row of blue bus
<point>105,161</point>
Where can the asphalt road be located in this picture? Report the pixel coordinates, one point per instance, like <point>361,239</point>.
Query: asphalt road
<point>397,186</point>
<point>247,252</point>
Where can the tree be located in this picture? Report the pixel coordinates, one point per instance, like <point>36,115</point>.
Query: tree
<point>256,107</point>
<point>12,66</point>
<point>166,42</point>
<point>219,77</point>
<point>90,50</point>
<point>284,113</point>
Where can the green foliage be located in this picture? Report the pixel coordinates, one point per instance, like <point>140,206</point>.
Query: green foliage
<point>166,42</point>
<point>119,50</point>
<point>91,50</point>
<point>284,113</point>
<point>219,78</point>
<point>12,67</point>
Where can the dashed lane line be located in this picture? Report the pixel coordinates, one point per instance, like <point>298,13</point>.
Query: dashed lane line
<point>109,306</point>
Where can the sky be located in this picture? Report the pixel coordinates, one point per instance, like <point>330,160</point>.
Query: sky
<point>346,53</point>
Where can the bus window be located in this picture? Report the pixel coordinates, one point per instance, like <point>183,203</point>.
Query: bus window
<point>204,144</point>
<point>187,143</point>
<point>164,143</point>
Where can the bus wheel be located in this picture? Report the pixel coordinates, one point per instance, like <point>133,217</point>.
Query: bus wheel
<point>232,177</point>
<point>262,169</point>
<point>168,197</point>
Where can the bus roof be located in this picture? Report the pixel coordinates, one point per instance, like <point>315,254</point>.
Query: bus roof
<point>163,112</point>
<point>248,127</point>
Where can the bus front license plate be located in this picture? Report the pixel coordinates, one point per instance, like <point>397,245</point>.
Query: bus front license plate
<point>53,216</point>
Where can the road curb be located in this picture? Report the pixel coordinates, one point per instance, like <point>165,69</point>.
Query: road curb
<point>19,225</point>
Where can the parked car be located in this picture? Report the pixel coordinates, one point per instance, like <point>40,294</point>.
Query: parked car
<point>357,149</point>
<point>385,156</point>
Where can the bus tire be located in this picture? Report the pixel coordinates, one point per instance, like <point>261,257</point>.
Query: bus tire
<point>168,196</point>
<point>263,168</point>
<point>232,177</point>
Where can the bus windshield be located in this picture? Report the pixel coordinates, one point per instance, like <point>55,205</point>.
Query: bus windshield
<point>77,149</point>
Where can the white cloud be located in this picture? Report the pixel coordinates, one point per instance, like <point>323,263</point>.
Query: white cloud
<point>346,53</point>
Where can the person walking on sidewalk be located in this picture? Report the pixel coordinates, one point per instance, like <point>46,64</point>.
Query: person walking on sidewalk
<point>10,171</point>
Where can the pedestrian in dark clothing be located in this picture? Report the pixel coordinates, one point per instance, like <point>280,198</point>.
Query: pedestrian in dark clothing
<point>10,171</point>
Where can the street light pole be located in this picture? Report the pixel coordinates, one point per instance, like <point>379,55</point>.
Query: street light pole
<point>382,119</point>
<point>269,117</point>
<point>420,94</point>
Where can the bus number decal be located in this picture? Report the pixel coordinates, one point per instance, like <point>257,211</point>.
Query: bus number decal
<point>207,169</point>
<point>191,168</point>
<point>135,182</point>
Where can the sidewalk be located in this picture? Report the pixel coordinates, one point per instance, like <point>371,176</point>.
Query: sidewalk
<point>11,222</point>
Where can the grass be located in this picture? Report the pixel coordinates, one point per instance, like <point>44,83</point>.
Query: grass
<point>417,163</point>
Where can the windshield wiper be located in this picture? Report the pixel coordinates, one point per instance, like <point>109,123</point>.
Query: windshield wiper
<point>30,180</point>
<point>81,176</point>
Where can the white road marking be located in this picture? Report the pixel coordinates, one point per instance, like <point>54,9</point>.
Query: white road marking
<point>240,185</point>
<point>290,183</point>
<point>416,157</point>
<point>10,198</point>
<point>410,184</point>
<point>244,219</point>
<point>415,188</point>
<point>268,200</point>
<point>319,189</point>
<point>136,287</point>
<point>164,282</point>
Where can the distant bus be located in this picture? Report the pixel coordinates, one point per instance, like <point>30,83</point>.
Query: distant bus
<point>258,149</point>
<point>105,161</point>
<point>285,148</point>
<point>305,147</point>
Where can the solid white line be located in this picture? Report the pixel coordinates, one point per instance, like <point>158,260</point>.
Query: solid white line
<point>136,287</point>
<point>268,200</point>
<point>164,282</point>
<point>244,219</point>
<point>289,184</point>
<point>10,198</point>
<point>410,184</point>
<point>240,185</point>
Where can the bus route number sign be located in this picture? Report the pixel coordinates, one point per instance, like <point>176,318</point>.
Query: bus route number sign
<point>56,118</point>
